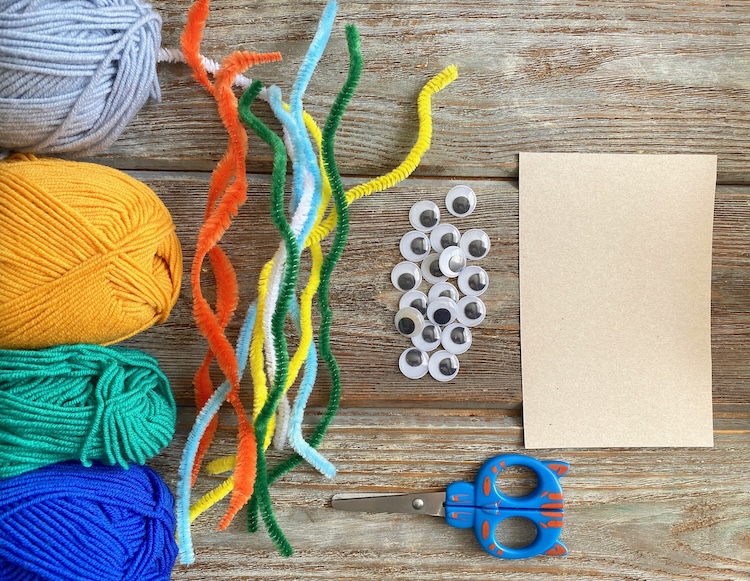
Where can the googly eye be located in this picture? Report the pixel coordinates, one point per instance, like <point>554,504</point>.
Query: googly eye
<point>409,322</point>
<point>424,215</point>
<point>416,299</point>
<point>442,311</point>
<point>443,366</point>
<point>428,339</point>
<point>475,244</point>
<point>473,280</point>
<point>471,311</point>
<point>444,236</point>
<point>413,363</point>
<point>461,201</point>
<point>456,338</point>
<point>452,261</point>
<point>431,269</point>
<point>443,289</point>
<point>414,246</point>
<point>406,276</point>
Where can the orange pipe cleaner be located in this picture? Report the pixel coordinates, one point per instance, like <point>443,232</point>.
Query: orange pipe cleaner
<point>227,192</point>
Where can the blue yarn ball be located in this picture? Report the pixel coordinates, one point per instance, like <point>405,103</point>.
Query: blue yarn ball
<point>103,523</point>
<point>73,73</point>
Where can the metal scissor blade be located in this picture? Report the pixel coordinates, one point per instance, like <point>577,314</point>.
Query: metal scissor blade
<point>427,503</point>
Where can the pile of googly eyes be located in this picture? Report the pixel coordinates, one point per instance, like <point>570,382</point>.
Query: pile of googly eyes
<point>439,323</point>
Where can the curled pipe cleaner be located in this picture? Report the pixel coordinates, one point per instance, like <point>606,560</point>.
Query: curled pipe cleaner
<point>404,169</point>
<point>286,294</point>
<point>186,514</point>
<point>307,182</point>
<point>309,200</point>
<point>262,492</point>
<point>422,144</point>
<point>202,422</point>
<point>227,193</point>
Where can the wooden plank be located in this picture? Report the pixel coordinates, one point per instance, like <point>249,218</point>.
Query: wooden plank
<point>591,76</point>
<point>630,514</point>
<point>364,301</point>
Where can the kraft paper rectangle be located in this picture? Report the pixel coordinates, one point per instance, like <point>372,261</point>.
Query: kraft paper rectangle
<point>615,293</point>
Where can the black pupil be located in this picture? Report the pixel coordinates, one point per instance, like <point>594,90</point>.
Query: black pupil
<point>446,367</point>
<point>473,311</point>
<point>428,218</point>
<point>458,336</point>
<point>477,248</point>
<point>406,326</point>
<point>461,205</point>
<point>477,282</point>
<point>435,269</point>
<point>446,293</point>
<point>419,246</point>
<point>406,281</point>
<point>420,305</point>
<point>448,240</point>
<point>442,316</point>
<point>414,358</point>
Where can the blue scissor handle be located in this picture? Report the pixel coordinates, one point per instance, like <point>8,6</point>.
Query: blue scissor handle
<point>482,506</point>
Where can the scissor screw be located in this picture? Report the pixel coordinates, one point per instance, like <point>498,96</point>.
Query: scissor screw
<point>417,503</point>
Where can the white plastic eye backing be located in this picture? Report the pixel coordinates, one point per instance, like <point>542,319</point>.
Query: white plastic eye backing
<point>406,276</point>
<point>461,201</point>
<point>428,339</point>
<point>473,280</point>
<point>443,289</point>
<point>452,261</point>
<point>416,299</point>
<point>442,311</point>
<point>456,338</point>
<point>409,322</point>
<point>414,246</point>
<point>443,365</point>
<point>471,311</point>
<point>431,269</point>
<point>443,236</point>
<point>475,244</point>
<point>424,215</point>
<point>413,363</point>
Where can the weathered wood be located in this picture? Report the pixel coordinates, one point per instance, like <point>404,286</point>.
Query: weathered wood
<point>552,75</point>
<point>614,76</point>
<point>630,514</point>
<point>364,301</point>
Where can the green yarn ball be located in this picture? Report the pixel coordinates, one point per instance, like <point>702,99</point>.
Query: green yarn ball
<point>82,402</point>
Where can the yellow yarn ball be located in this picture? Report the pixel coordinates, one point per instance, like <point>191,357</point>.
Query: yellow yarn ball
<point>88,254</point>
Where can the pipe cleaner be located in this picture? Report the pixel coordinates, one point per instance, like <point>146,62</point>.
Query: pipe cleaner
<point>404,169</point>
<point>307,185</point>
<point>227,192</point>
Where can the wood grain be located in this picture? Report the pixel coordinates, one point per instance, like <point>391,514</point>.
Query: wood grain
<point>630,514</point>
<point>614,76</point>
<point>364,301</point>
<point>601,76</point>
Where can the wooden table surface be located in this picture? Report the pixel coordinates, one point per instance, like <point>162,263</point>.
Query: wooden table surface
<point>555,75</point>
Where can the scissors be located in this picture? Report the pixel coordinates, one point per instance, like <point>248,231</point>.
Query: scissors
<point>482,506</point>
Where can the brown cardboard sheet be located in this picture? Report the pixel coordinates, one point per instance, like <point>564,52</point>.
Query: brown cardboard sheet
<point>615,283</point>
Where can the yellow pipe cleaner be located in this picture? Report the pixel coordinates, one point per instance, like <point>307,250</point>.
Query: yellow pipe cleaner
<point>320,231</point>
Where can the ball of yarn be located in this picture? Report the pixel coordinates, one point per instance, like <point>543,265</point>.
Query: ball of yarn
<point>88,254</point>
<point>67,522</point>
<point>74,72</point>
<point>82,402</point>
